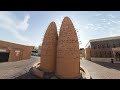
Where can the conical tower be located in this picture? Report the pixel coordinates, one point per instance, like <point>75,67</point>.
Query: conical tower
<point>68,54</point>
<point>49,49</point>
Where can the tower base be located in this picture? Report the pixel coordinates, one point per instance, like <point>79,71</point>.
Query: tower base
<point>37,71</point>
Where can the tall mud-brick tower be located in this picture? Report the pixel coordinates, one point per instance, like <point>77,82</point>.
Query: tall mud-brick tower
<point>68,54</point>
<point>49,49</point>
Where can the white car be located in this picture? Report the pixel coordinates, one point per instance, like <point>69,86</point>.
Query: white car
<point>35,53</point>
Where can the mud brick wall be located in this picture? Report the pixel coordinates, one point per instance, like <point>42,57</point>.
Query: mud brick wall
<point>49,48</point>
<point>68,54</point>
<point>87,53</point>
<point>24,52</point>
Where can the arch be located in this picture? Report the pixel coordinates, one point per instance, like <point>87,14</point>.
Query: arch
<point>4,54</point>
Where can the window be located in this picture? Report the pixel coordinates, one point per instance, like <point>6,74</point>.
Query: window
<point>96,54</point>
<point>105,53</point>
<point>98,46</point>
<point>93,54</point>
<point>109,53</point>
<point>102,46</point>
<point>100,54</point>
<point>114,46</point>
<point>107,45</point>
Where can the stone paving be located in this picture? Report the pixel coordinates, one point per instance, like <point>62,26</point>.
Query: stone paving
<point>102,70</point>
<point>21,69</point>
<point>18,69</point>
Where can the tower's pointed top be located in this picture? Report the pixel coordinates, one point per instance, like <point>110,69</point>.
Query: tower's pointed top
<point>52,25</point>
<point>52,22</point>
<point>67,19</point>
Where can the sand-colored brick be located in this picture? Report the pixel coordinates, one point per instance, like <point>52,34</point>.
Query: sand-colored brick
<point>49,49</point>
<point>68,54</point>
<point>12,49</point>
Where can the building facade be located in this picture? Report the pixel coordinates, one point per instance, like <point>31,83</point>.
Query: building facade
<point>14,52</point>
<point>68,53</point>
<point>82,52</point>
<point>49,49</point>
<point>39,50</point>
<point>103,49</point>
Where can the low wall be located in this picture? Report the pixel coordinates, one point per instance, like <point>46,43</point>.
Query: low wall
<point>101,59</point>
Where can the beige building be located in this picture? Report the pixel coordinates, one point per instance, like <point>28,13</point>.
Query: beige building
<point>39,50</point>
<point>87,53</point>
<point>103,49</point>
<point>82,52</point>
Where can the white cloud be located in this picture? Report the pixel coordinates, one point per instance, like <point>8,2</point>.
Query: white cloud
<point>24,24</point>
<point>108,23</point>
<point>104,20</point>
<point>112,16</point>
<point>92,30</point>
<point>10,22</point>
<point>104,25</point>
<point>21,37</point>
<point>90,25</point>
<point>111,34</point>
<point>99,14</point>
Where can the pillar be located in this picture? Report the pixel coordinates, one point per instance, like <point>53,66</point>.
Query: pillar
<point>68,54</point>
<point>49,49</point>
<point>87,54</point>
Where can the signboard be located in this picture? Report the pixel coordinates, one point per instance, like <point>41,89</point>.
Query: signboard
<point>17,52</point>
<point>3,50</point>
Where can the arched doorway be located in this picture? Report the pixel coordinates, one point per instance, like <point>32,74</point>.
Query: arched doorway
<point>117,56</point>
<point>4,54</point>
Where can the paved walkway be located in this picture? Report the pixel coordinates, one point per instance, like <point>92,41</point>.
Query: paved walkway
<point>18,69</point>
<point>102,70</point>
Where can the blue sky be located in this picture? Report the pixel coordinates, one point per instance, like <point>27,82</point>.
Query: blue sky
<point>28,27</point>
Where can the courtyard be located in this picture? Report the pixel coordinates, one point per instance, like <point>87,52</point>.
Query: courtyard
<point>21,69</point>
<point>18,69</point>
<point>102,70</point>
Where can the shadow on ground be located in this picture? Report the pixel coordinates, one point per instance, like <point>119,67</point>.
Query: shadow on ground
<point>109,65</point>
<point>27,75</point>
